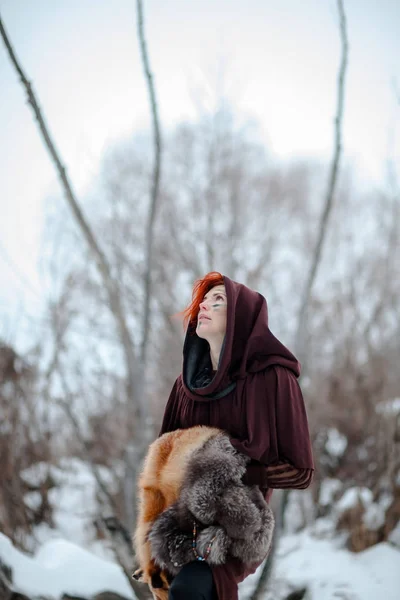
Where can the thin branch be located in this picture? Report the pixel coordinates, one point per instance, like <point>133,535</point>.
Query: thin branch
<point>332,182</point>
<point>265,575</point>
<point>110,524</point>
<point>66,405</point>
<point>154,188</point>
<point>101,261</point>
<point>261,586</point>
<point>303,317</point>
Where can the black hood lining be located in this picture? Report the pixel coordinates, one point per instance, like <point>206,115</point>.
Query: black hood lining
<point>197,368</point>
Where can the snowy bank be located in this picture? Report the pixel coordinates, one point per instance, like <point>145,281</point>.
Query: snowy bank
<point>330,572</point>
<point>61,567</point>
<point>327,570</point>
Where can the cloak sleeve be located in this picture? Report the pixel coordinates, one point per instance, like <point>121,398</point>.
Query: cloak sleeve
<point>277,430</point>
<point>171,419</point>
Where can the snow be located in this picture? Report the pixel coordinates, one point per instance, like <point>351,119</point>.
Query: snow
<point>68,558</point>
<point>374,516</point>
<point>353,496</point>
<point>330,573</point>
<point>327,570</point>
<point>329,487</point>
<point>374,513</point>
<point>73,500</point>
<point>37,473</point>
<point>62,567</point>
<point>336,443</point>
<point>389,407</point>
<point>33,500</point>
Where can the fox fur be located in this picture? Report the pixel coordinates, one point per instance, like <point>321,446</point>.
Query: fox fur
<point>158,488</point>
<point>195,475</point>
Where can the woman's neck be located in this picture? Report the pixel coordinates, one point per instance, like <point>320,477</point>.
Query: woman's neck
<point>215,351</point>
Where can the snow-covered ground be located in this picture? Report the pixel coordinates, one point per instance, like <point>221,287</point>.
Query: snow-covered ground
<point>68,559</point>
<point>332,573</point>
<point>73,500</point>
<point>329,572</point>
<point>60,567</point>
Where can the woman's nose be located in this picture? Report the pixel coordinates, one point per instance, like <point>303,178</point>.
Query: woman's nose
<point>203,305</point>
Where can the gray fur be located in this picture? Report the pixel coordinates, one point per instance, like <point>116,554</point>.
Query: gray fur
<point>172,546</point>
<point>214,496</point>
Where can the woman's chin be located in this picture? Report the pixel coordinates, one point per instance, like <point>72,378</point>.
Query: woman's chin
<point>202,331</point>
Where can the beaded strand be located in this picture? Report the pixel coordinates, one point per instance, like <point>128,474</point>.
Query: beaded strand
<point>194,545</point>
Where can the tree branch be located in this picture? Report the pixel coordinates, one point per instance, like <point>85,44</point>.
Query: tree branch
<point>110,524</point>
<point>303,316</point>
<point>154,188</point>
<point>261,586</point>
<point>101,261</point>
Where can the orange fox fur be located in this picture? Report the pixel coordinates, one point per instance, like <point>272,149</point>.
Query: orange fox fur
<point>158,487</point>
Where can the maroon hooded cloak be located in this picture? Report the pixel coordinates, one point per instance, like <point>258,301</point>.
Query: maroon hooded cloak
<point>254,395</point>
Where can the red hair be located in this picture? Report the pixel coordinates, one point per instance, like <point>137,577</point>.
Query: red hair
<point>200,289</point>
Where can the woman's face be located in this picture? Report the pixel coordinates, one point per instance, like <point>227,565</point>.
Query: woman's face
<point>211,320</point>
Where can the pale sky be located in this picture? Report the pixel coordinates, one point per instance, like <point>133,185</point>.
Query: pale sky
<point>279,59</point>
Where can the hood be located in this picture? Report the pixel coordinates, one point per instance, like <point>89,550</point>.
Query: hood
<point>249,347</point>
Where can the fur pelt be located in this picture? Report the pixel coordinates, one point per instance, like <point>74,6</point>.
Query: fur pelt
<point>159,486</point>
<point>195,475</point>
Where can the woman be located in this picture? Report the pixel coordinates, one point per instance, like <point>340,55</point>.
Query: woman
<point>238,377</point>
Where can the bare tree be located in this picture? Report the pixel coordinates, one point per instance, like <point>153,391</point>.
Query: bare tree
<point>217,153</point>
<point>110,284</point>
<point>154,188</point>
<point>332,183</point>
<point>302,327</point>
<point>135,369</point>
<point>23,441</point>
